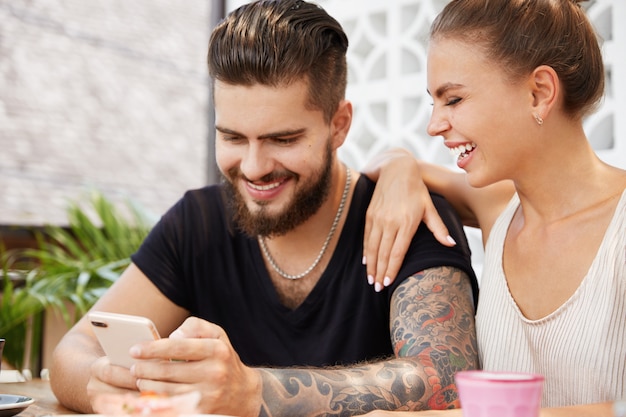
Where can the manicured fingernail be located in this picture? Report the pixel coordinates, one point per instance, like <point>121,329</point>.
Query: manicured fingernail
<point>364,260</point>
<point>386,281</point>
<point>378,287</point>
<point>449,238</point>
<point>370,279</point>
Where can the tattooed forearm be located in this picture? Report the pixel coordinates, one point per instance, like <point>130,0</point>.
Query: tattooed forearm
<point>433,321</point>
<point>386,385</point>
<point>432,331</point>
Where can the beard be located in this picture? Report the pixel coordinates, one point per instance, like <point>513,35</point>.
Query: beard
<point>306,202</point>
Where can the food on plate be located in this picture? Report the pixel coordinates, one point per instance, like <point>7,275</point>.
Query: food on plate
<point>147,403</point>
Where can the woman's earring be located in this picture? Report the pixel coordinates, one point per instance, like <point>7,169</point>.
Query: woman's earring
<point>538,119</point>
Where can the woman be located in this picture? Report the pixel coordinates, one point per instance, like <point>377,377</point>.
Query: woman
<point>511,82</point>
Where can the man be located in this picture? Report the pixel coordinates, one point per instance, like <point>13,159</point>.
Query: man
<point>259,281</point>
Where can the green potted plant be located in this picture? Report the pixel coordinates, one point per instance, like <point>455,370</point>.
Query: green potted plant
<point>70,266</point>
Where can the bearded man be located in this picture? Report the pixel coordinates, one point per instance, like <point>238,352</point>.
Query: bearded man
<point>259,281</point>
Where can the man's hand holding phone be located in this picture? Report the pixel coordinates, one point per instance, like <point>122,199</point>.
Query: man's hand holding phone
<point>117,333</point>
<point>203,360</point>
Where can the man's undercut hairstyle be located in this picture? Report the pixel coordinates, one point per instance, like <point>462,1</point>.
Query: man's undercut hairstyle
<point>278,42</point>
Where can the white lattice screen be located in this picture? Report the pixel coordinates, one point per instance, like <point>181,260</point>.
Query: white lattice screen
<point>387,81</point>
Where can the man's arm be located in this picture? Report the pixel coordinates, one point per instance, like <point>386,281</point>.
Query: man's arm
<point>80,369</point>
<point>433,335</point>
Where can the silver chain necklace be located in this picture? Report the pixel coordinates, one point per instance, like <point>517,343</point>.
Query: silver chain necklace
<point>282,273</point>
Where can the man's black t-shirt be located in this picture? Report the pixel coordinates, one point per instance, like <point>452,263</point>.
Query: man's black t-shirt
<point>201,262</point>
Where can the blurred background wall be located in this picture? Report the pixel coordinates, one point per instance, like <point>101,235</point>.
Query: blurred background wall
<point>109,95</point>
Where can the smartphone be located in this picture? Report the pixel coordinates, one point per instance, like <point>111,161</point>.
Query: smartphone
<point>118,332</point>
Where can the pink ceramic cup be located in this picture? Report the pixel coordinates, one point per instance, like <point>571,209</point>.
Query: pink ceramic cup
<point>499,394</point>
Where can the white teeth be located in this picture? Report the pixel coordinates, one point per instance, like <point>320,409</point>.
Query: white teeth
<point>462,150</point>
<point>264,187</point>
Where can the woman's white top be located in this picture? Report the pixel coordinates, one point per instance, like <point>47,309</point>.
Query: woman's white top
<point>580,348</point>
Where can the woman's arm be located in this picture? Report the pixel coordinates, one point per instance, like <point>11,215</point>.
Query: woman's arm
<point>477,207</point>
<point>401,202</point>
